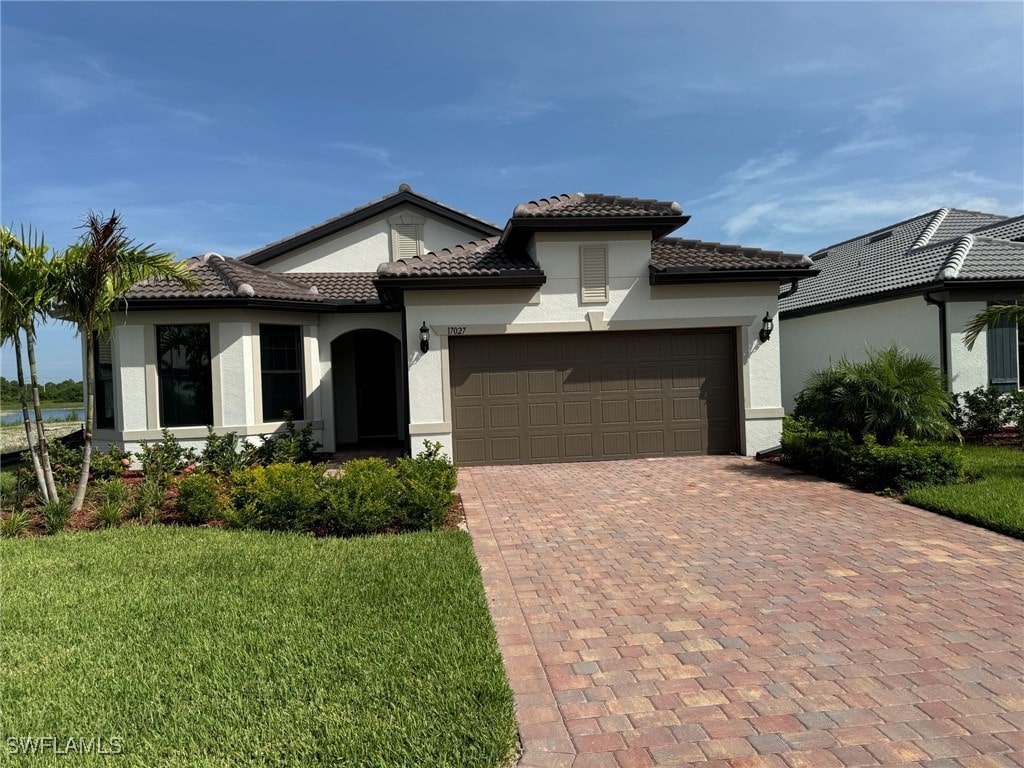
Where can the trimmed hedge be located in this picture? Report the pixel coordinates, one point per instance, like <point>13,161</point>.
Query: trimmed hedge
<point>868,465</point>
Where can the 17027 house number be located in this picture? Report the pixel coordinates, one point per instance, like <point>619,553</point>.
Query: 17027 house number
<point>456,330</point>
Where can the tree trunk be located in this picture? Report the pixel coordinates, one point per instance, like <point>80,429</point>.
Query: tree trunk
<point>90,418</point>
<point>36,466</point>
<point>44,451</point>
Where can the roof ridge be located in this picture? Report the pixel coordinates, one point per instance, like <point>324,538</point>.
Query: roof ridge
<point>211,259</point>
<point>933,226</point>
<point>951,267</point>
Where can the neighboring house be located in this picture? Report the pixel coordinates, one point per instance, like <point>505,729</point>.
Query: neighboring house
<point>915,284</point>
<point>577,331</point>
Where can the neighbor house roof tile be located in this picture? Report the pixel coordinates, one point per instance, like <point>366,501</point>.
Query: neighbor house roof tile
<point>581,204</point>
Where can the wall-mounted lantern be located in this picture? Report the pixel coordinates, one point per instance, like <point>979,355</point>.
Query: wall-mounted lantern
<point>424,337</point>
<point>767,326</point>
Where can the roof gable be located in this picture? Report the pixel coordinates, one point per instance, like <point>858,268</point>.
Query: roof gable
<point>405,196</point>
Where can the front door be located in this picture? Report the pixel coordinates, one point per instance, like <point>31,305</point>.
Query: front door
<point>376,385</point>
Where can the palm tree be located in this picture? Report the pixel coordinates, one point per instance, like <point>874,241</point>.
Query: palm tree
<point>94,272</point>
<point>997,314</point>
<point>27,292</point>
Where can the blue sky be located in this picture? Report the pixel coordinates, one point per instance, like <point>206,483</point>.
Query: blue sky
<point>778,125</point>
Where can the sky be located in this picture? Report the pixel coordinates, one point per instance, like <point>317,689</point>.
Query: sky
<point>225,126</point>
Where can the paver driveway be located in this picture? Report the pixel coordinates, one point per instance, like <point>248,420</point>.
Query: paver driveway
<point>717,610</point>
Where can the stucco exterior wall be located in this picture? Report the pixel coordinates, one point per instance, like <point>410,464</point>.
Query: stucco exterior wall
<point>815,341</point>
<point>968,367</point>
<point>363,247</point>
<point>633,304</point>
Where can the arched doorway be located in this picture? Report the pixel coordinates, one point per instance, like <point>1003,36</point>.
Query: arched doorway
<point>368,388</point>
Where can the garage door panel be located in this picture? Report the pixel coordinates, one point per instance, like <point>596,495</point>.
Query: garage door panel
<point>573,397</point>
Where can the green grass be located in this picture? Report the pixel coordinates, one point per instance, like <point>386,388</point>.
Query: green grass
<point>203,647</point>
<point>995,498</point>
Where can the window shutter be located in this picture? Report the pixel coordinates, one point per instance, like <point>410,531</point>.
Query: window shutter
<point>407,240</point>
<point>1002,356</point>
<point>593,273</point>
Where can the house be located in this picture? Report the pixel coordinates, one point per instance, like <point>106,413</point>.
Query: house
<point>915,284</point>
<point>580,330</point>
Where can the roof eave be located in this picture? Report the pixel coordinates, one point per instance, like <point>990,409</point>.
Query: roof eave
<point>360,215</point>
<point>899,293</point>
<point>519,228</point>
<point>235,302</point>
<point>681,276</point>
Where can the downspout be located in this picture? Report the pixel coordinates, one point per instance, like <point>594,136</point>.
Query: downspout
<point>943,339</point>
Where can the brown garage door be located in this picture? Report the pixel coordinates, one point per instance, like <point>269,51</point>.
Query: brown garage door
<point>589,396</point>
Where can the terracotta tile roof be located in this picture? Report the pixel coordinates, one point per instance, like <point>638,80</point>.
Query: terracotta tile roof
<point>698,256</point>
<point>224,278</point>
<point>481,258</point>
<point>580,204</point>
<point>915,252</point>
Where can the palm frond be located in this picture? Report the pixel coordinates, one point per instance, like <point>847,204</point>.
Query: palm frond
<point>989,317</point>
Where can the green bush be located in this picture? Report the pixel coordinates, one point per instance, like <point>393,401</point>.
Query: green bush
<point>56,515</point>
<point>869,466</point>
<point>113,490</point>
<point>149,498</point>
<point>280,497</point>
<point>15,523</point>
<point>362,498</point>
<point>982,411</point>
<point>223,454</point>
<point>162,459</point>
<point>891,394</point>
<point>108,514</point>
<point>113,463</point>
<point>427,488</point>
<point>904,464</point>
<point>289,447</point>
<point>18,487</point>
<point>65,461</point>
<point>199,498</point>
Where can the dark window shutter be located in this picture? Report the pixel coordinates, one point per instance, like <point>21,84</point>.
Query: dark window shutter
<point>1002,356</point>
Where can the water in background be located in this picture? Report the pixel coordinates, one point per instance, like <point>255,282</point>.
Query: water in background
<point>49,415</point>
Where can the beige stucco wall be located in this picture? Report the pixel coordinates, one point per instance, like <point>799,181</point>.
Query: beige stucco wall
<point>968,367</point>
<point>363,247</point>
<point>633,304</point>
<point>814,342</point>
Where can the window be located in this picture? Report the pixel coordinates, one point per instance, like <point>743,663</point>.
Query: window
<point>593,274</point>
<point>183,368</point>
<point>1005,369</point>
<point>281,369</point>
<point>104,382</point>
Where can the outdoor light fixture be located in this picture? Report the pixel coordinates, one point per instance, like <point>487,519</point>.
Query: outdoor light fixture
<point>767,326</point>
<point>424,337</point>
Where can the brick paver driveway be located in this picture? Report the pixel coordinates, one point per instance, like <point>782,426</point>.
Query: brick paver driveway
<point>716,610</point>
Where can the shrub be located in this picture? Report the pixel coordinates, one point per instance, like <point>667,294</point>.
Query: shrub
<point>983,411</point>
<point>904,464</point>
<point>56,515</point>
<point>426,487</point>
<point>889,395</point>
<point>108,514</point>
<point>18,486</point>
<point>290,447</point>
<point>363,498</point>
<point>113,463</point>
<point>223,454</point>
<point>199,498</point>
<point>8,483</point>
<point>149,500</point>
<point>282,497</point>
<point>1015,412</point>
<point>15,523</point>
<point>65,461</point>
<point>162,459</point>
<point>820,452</point>
<point>113,490</point>
<point>869,466</point>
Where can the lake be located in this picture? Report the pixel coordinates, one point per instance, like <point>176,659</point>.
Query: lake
<point>49,414</point>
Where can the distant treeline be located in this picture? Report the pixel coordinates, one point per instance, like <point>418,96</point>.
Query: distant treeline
<point>66,391</point>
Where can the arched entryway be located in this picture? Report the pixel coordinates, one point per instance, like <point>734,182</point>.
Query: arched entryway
<point>369,393</point>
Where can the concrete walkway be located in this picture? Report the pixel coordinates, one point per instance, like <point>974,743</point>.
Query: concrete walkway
<point>719,611</point>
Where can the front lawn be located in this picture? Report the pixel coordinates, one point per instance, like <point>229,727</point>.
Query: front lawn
<point>205,647</point>
<point>995,498</point>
